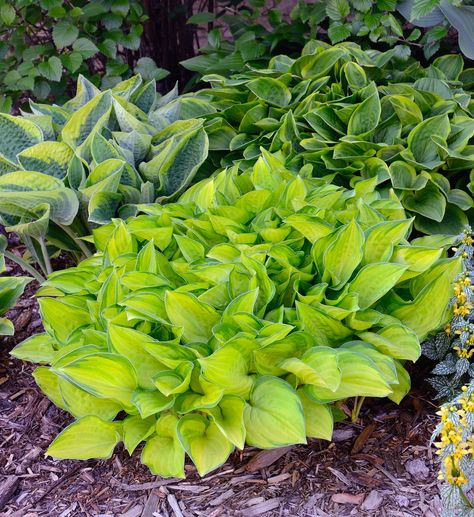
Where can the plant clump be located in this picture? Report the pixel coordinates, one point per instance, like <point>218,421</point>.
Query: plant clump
<point>240,314</point>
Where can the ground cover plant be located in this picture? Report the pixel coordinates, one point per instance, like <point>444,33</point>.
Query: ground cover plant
<point>238,315</point>
<point>345,113</point>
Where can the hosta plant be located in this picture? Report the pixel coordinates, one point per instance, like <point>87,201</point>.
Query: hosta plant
<point>238,315</point>
<point>350,114</point>
<point>64,169</point>
<point>345,113</point>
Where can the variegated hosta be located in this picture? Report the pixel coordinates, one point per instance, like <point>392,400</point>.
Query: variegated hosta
<point>65,168</point>
<point>238,315</point>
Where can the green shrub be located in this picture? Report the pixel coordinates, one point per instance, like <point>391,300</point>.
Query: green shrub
<point>259,32</point>
<point>238,315</point>
<point>46,44</point>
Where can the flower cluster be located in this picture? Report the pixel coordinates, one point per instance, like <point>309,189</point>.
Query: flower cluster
<point>453,349</point>
<point>456,448</point>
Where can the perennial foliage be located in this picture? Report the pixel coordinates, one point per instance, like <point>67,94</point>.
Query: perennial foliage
<point>345,113</point>
<point>238,315</point>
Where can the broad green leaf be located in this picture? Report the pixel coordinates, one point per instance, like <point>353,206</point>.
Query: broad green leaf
<point>381,238</point>
<point>87,438</point>
<point>51,158</point>
<point>325,330</point>
<point>135,430</point>
<point>204,442</point>
<point>228,367</point>
<point>28,190</point>
<point>72,318</point>
<point>129,343</point>
<point>80,403</point>
<point>103,375</point>
<point>375,280</point>
<point>151,402</point>
<point>365,117</point>
<point>360,378</point>
<point>344,255</point>
<point>319,420</point>
<point>317,366</point>
<point>196,318</point>
<point>82,125</point>
<point>38,348</point>
<point>228,415</point>
<point>163,453</point>
<point>420,143</point>
<point>427,311</point>
<point>396,341</point>
<point>18,134</point>
<point>270,90</point>
<point>171,382</point>
<point>274,416</point>
<point>404,384</point>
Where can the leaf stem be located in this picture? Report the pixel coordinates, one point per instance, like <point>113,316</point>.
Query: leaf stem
<point>77,240</point>
<point>357,407</point>
<point>25,266</point>
<point>47,261</point>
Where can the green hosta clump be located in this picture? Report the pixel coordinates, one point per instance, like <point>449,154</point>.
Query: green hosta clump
<point>238,315</point>
<point>63,169</point>
<point>352,114</point>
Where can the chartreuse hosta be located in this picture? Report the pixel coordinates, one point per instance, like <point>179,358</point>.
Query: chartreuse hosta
<point>345,113</point>
<point>238,315</point>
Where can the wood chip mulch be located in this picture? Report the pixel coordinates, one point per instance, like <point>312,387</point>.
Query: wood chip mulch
<point>380,466</point>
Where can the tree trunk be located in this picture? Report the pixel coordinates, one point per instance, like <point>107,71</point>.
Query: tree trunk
<point>168,39</point>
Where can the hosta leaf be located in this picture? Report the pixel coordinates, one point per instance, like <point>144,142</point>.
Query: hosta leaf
<point>163,453</point>
<point>88,119</point>
<point>274,415</point>
<point>196,318</point>
<point>360,377</point>
<point>420,143</point>
<point>103,375</point>
<point>366,116</point>
<point>427,311</point>
<point>317,366</point>
<point>151,402</point>
<point>319,421</point>
<point>375,280</point>
<point>229,367</point>
<point>129,343</point>
<point>17,134</point>
<point>204,442</point>
<point>80,403</point>
<point>37,349</point>
<point>323,328</point>
<point>396,341</point>
<point>228,415</point>
<point>270,90</point>
<point>135,430</point>
<point>48,157</point>
<point>87,438</point>
<point>344,254</point>
<point>172,169</point>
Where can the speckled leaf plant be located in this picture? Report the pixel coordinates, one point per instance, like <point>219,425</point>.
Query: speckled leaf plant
<point>237,316</point>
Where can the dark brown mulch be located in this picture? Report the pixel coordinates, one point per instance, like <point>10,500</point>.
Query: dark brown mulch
<point>380,466</point>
